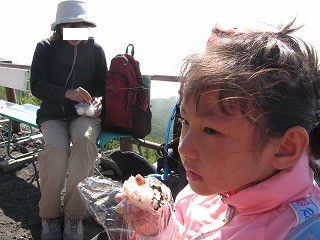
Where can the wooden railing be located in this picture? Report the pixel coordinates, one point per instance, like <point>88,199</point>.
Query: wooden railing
<point>165,78</point>
<point>143,143</point>
<point>13,65</point>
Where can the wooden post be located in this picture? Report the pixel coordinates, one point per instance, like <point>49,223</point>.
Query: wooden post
<point>126,145</point>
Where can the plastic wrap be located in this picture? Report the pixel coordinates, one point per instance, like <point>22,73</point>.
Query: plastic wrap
<point>123,219</point>
<point>87,109</point>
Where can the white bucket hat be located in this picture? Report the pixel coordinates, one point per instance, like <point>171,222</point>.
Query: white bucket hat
<point>71,12</point>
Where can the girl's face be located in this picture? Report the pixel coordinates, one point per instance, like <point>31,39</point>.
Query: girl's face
<point>216,150</point>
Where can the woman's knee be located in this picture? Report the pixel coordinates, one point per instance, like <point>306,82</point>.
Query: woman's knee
<point>85,146</point>
<point>83,140</point>
<point>53,161</point>
<point>58,145</point>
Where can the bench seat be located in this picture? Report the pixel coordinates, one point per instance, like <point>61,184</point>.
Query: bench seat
<point>24,113</point>
<point>107,136</point>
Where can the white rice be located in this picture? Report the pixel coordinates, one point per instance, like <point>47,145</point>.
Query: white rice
<point>141,195</point>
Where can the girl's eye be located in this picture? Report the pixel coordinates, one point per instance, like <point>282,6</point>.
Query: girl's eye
<point>184,121</point>
<point>210,131</point>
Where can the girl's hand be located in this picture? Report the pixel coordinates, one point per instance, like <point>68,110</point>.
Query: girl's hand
<point>142,221</point>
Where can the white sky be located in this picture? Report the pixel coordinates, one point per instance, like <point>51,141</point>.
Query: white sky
<point>162,31</point>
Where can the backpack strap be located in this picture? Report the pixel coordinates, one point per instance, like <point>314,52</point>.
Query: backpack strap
<point>134,63</point>
<point>166,174</point>
<point>308,219</point>
<point>304,208</point>
<point>309,229</point>
<point>132,49</point>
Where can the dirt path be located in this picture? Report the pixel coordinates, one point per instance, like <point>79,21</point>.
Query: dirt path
<point>19,196</point>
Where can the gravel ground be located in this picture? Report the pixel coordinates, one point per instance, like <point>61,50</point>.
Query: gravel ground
<point>20,193</point>
<point>19,197</point>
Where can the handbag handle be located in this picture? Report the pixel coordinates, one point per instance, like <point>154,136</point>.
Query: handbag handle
<point>132,50</point>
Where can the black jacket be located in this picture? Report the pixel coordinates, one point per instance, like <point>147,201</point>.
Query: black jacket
<point>51,65</point>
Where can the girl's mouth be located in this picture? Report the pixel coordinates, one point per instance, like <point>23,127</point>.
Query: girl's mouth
<point>192,176</point>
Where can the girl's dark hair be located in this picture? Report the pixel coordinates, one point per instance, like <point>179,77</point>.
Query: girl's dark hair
<point>271,76</point>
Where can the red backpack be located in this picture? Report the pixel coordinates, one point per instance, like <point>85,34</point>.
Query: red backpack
<point>127,101</point>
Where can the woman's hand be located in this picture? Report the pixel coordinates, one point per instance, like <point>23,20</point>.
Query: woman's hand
<point>97,106</point>
<point>79,95</point>
<point>142,221</point>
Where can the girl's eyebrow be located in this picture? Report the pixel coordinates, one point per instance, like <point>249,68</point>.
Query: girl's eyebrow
<point>212,114</point>
<point>208,113</point>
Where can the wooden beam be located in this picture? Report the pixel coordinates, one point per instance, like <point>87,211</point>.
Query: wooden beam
<point>165,78</point>
<point>12,65</point>
<point>145,143</point>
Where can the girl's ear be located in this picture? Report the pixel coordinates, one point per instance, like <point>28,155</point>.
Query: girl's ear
<point>290,148</point>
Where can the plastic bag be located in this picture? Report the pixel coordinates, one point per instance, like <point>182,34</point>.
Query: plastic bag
<point>87,109</point>
<point>121,219</point>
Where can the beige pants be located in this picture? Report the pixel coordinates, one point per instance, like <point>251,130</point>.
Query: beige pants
<point>58,157</point>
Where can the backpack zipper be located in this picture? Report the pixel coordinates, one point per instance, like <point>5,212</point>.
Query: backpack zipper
<point>119,74</point>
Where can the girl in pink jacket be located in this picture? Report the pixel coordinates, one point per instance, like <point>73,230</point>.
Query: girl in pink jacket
<point>249,140</point>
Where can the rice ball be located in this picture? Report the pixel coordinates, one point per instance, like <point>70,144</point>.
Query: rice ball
<point>80,111</point>
<point>90,111</point>
<point>140,193</point>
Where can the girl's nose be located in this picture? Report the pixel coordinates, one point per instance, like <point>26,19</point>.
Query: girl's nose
<point>188,146</point>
